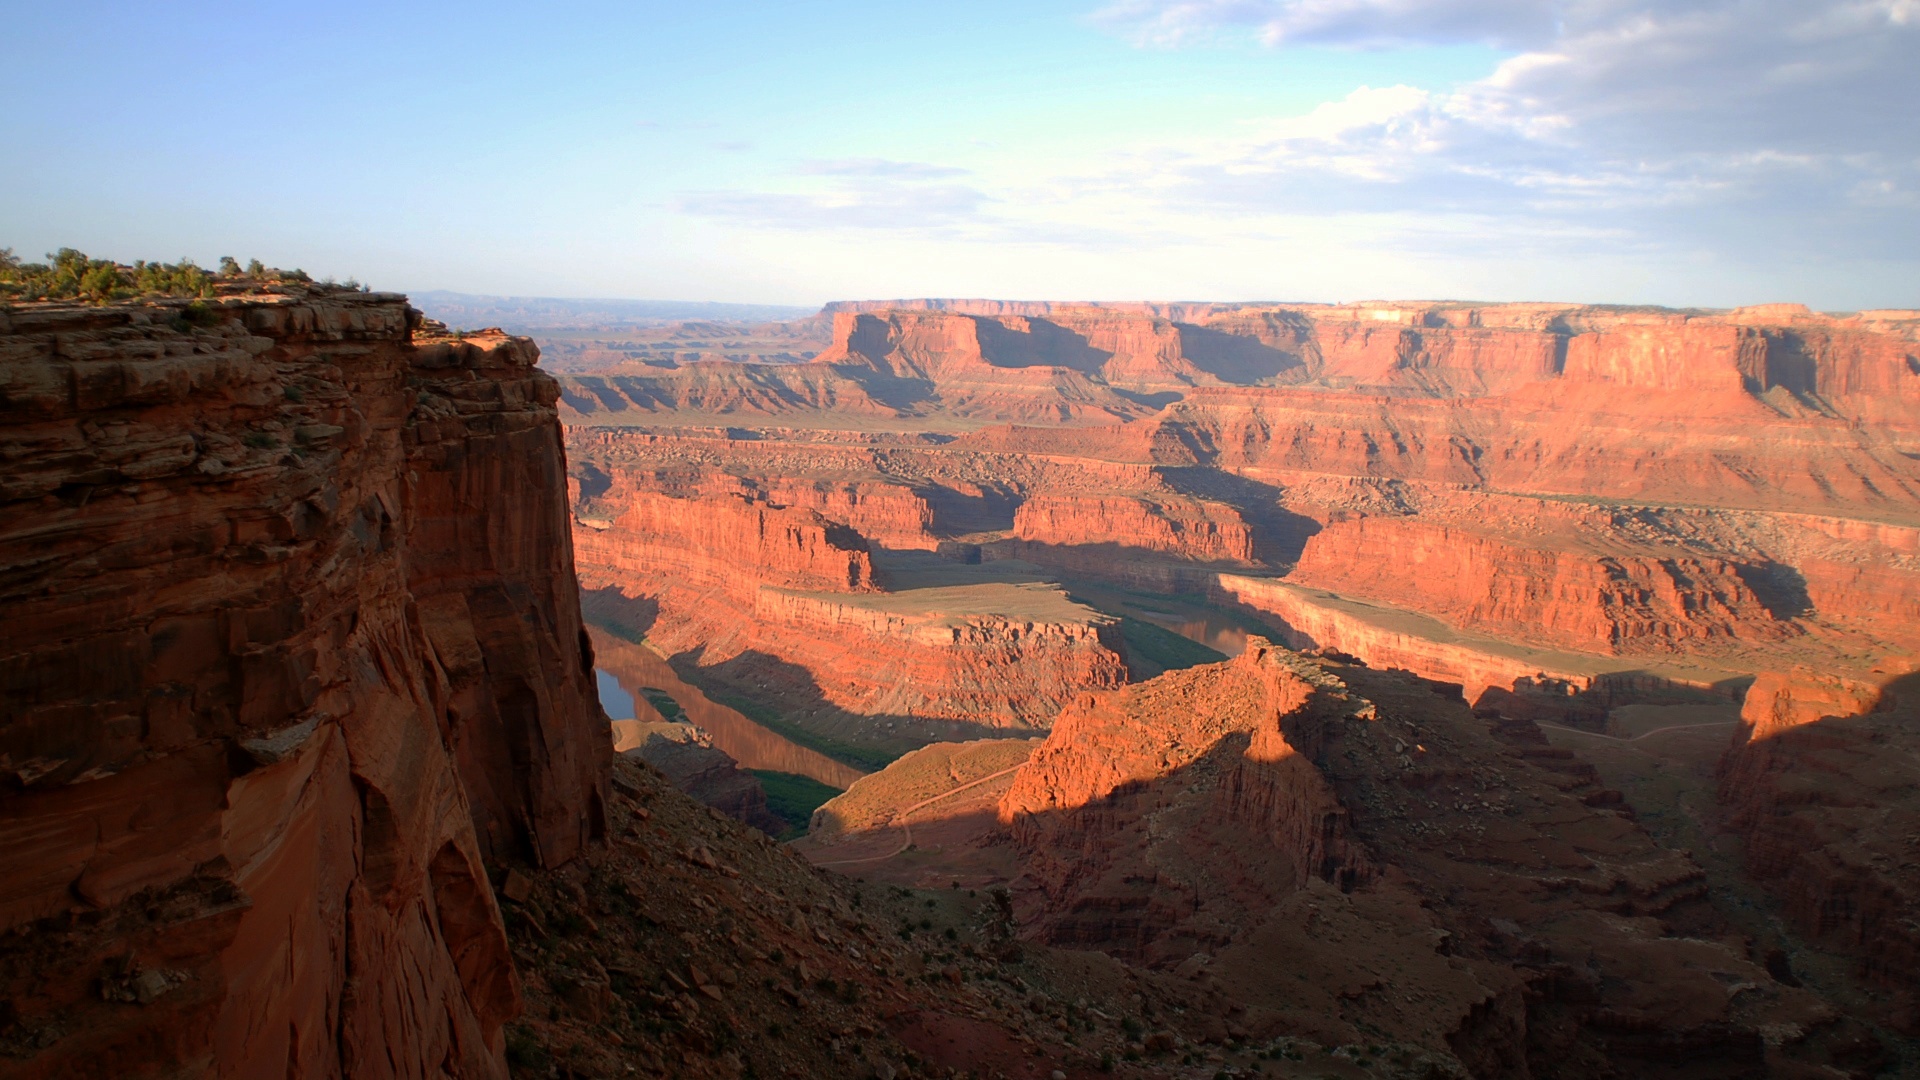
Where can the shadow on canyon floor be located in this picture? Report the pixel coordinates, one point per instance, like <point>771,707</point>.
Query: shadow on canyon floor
<point>786,698</point>
<point>1279,534</point>
<point>960,513</point>
<point>1236,358</point>
<point>629,617</point>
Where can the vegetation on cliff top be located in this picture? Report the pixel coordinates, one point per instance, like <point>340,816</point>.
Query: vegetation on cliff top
<point>73,275</point>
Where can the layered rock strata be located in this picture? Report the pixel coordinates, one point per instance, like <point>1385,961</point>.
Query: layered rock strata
<point>1080,363</point>
<point>292,647</point>
<point>1589,601</point>
<point>789,598</point>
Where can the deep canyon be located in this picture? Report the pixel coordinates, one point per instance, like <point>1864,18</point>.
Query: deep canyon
<point>1392,689</point>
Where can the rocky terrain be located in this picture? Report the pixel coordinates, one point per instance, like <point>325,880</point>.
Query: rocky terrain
<point>292,656</point>
<point>1476,493</point>
<point>1577,515</point>
<point>754,590</point>
<point>1397,690</point>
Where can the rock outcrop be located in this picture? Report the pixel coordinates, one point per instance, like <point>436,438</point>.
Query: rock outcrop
<point>1428,876</point>
<point>1220,743</point>
<point>293,649</point>
<point>1818,782</point>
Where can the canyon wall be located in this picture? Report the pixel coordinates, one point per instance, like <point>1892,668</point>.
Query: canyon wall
<point>729,543</point>
<point>1186,528</point>
<point>1593,601</point>
<point>1819,782</point>
<point>1844,362</point>
<point>293,651</point>
<point>1434,560</point>
<point>786,599</point>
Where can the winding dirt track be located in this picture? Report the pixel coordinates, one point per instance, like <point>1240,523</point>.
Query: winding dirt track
<point>906,830</point>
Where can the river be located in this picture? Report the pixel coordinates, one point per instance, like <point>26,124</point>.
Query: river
<point>1221,633</point>
<point>1224,632</point>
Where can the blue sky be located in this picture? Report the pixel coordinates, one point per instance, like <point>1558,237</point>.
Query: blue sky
<point>1691,152</point>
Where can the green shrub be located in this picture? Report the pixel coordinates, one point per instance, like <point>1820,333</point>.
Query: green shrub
<point>794,798</point>
<point>195,315</point>
<point>69,274</point>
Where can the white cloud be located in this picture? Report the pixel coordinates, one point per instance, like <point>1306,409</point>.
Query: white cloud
<point>1737,126</point>
<point>1622,146</point>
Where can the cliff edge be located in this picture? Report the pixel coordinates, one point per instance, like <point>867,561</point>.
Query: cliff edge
<point>293,650</point>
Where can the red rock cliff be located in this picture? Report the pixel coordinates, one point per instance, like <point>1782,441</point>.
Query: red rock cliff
<point>730,543</point>
<point>292,646</point>
<point>791,596</point>
<point>1819,782</point>
<point>1609,602</point>
<point>1224,738</point>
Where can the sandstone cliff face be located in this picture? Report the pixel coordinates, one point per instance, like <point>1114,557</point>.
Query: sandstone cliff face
<point>293,645</point>
<point>788,599</point>
<point>1819,783</point>
<point>729,544</point>
<point>1591,601</point>
<point>1778,702</point>
<point>1187,529</point>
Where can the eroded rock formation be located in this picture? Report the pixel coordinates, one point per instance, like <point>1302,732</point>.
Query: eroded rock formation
<point>1428,875</point>
<point>789,599</point>
<point>1819,781</point>
<point>293,646</point>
